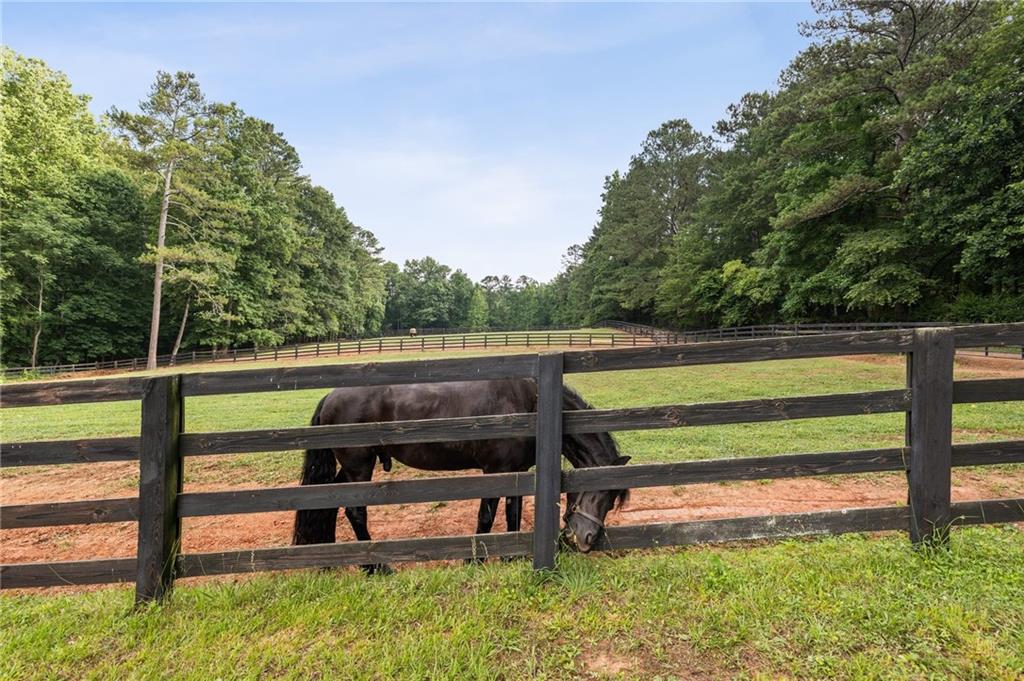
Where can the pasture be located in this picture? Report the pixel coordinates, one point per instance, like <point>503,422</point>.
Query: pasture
<point>795,608</point>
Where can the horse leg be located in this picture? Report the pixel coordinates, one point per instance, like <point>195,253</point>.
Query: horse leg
<point>485,521</point>
<point>360,470</point>
<point>513,519</point>
<point>513,513</point>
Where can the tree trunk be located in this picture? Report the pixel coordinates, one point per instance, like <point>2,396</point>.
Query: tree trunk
<point>39,324</point>
<point>158,278</point>
<point>181,329</point>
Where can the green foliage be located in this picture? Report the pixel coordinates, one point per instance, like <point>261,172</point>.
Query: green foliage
<point>881,181</point>
<point>254,253</point>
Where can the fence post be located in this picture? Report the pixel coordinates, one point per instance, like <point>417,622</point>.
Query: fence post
<point>931,434</point>
<point>160,479</point>
<point>548,480</point>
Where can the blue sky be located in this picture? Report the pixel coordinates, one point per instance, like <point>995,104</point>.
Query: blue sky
<point>478,134</point>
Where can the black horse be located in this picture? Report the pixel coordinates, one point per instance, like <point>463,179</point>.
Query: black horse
<point>585,512</point>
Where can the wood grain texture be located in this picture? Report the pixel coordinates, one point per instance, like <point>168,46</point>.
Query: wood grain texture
<point>980,335</point>
<point>742,411</point>
<point>547,495</point>
<point>66,573</point>
<point>988,453</point>
<point>42,393</point>
<point>931,434</point>
<point>754,528</point>
<point>728,352</point>
<point>160,482</point>
<point>524,425</point>
<point>121,510</point>
<point>988,390</point>
<point>782,466</point>
<point>360,434</point>
<point>355,494</point>
<point>56,452</point>
<point>356,553</point>
<point>988,511</point>
<point>371,373</point>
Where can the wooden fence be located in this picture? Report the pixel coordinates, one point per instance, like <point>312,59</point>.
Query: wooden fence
<point>778,330</point>
<point>163,445</point>
<point>338,348</point>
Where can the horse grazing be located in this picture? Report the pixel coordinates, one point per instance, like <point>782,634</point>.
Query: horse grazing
<point>585,512</point>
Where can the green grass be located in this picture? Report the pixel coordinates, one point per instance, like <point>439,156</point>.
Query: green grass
<point>842,608</point>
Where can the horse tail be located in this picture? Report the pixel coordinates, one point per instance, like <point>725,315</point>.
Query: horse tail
<point>316,526</point>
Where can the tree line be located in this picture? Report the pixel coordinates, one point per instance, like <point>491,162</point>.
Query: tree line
<point>882,180</point>
<point>188,224</point>
<point>187,212</point>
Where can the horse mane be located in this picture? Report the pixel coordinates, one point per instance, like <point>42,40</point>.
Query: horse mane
<point>578,452</point>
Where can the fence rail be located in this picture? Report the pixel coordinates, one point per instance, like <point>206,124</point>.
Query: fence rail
<point>783,330</point>
<point>422,342</point>
<point>162,446</point>
<point>468,339</point>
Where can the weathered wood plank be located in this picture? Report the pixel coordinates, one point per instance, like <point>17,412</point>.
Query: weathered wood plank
<point>121,510</point>
<point>360,434</point>
<point>718,470</point>
<point>988,453</point>
<point>980,335</point>
<point>988,390</point>
<point>743,411</point>
<point>372,373</point>
<point>160,482</point>
<point>781,466</point>
<point>355,494</point>
<point>988,511</point>
<point>547,495</point>
<point>43,393</point>
<point>356,553</point>
<point>66,573</point>
<point>931,428</point>
<point>754,527</point>
<point>735,351</point>
<point>56,452</point>
<point>523,425</point>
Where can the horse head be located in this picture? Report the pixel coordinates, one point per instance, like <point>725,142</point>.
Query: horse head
<point>585,512</point>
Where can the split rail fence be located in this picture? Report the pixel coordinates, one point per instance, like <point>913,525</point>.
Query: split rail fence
<point>164,445</point>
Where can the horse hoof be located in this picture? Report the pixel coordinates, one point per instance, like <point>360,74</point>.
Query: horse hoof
<point>479,560</point>
<point>379,569</point>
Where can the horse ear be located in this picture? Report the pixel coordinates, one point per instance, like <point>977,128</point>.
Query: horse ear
<point>622,460</point>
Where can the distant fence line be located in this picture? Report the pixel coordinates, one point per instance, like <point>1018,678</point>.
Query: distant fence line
<point>418,343</point>
<point>444,338</point>
<point>781,330</point>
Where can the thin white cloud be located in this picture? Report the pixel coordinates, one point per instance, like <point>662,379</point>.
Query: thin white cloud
<point>470,210</point>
